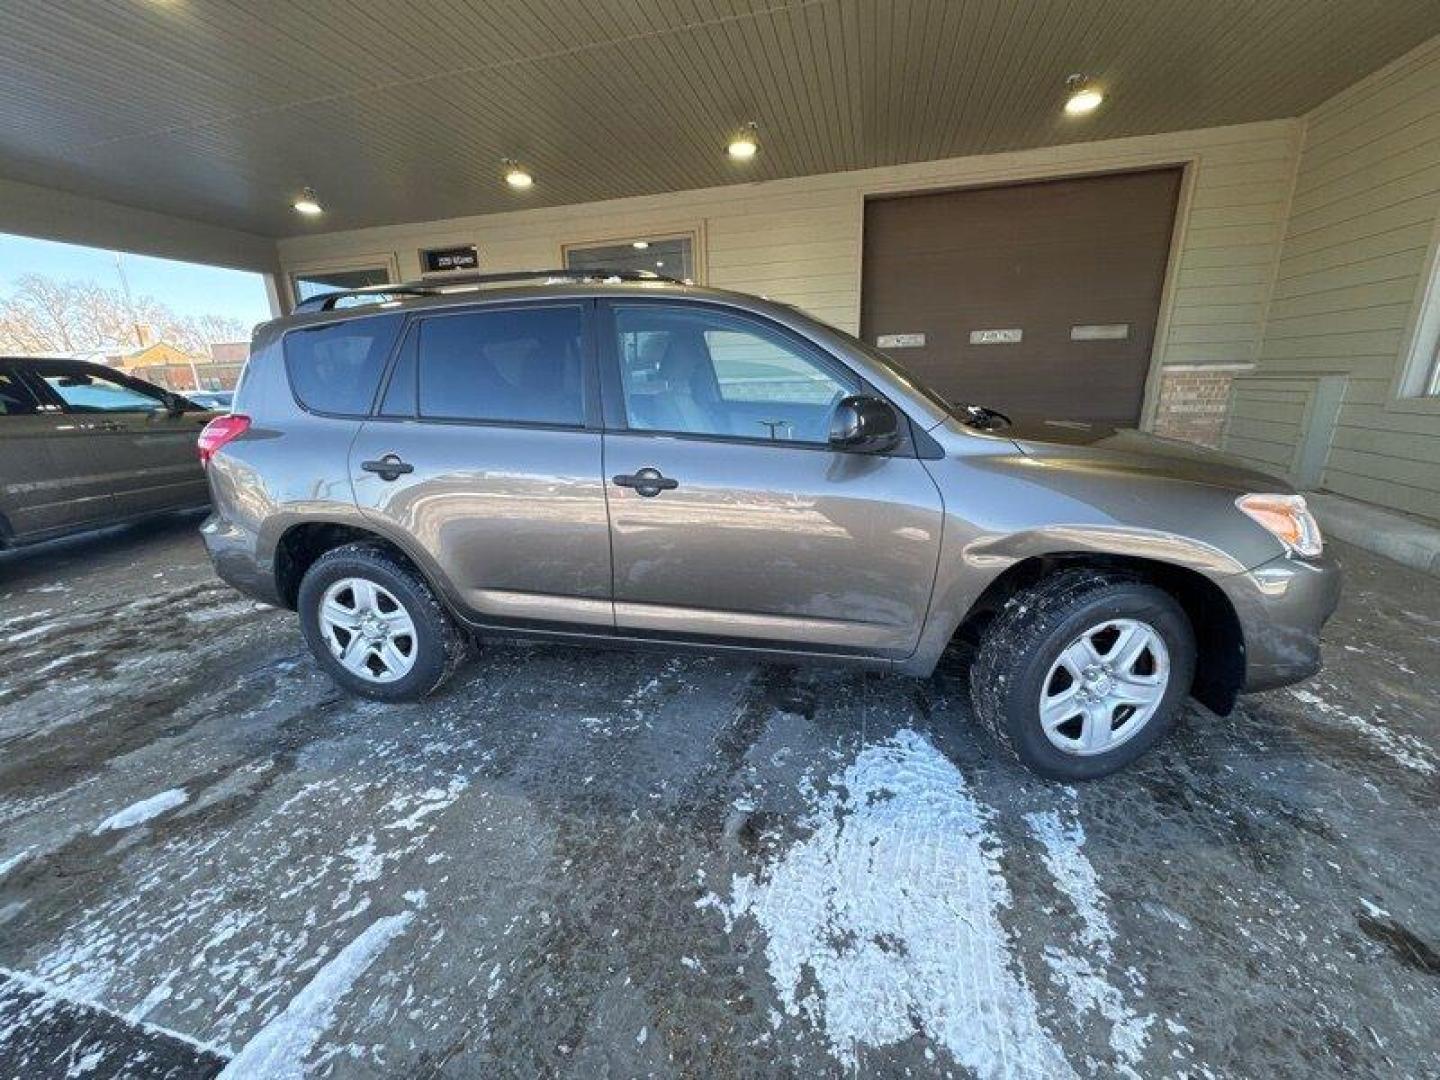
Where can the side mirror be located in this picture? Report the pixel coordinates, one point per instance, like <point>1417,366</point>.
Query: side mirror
<point>865,424</point>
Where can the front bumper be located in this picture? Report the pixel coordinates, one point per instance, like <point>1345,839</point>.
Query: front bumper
<point>1282,606</point>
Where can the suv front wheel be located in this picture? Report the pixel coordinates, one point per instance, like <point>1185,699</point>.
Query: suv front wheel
<point>1083,673</point>
<point>375,625</point>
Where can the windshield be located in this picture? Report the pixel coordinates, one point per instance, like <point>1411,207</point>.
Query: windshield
<point>902,374</point>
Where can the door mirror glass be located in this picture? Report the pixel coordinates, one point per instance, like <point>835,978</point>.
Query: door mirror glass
<point>864,423</point>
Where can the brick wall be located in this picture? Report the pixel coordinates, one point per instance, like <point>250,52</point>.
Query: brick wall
<point>1192,402</point>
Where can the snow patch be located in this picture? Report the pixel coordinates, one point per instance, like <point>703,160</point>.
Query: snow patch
<point>6,865</point>
<point>1081,974</point>
<point>143,811</point>
<point>278,1050</point>
<point>1062,844</point>
<point>887,918</point>
<point>1404,749</point>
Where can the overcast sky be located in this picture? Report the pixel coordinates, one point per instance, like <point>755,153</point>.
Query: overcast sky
<point>186,288</point>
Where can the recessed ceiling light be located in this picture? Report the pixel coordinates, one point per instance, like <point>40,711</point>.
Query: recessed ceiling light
<point>308,203</point>
<point>516,176</point>
<point>640,245</point>
<point>746,144</point>
<point>1085,96</point>
<point>659,262</point>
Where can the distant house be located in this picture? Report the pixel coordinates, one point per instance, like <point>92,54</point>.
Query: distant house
<point>229,352</point>
<point>158,354</point>
<point>172,367</point>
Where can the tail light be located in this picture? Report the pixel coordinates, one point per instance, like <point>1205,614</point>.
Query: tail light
<point>219,432</point>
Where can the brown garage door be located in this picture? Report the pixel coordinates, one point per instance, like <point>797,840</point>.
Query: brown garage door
<point>1036,299</point>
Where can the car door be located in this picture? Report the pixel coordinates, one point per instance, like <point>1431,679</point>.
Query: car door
<point>486,453</point>
<point>731,515</point>
<point>127,437</point>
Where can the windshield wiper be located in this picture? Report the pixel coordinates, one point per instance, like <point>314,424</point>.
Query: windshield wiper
<point>981,417</point>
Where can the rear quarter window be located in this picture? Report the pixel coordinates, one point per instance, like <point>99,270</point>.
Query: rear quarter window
<point>336,368</point>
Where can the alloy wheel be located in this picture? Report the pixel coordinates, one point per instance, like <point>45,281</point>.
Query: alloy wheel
<point>368,630</point>
<point>1104,687</point>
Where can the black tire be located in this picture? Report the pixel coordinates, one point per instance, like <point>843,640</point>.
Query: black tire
<point>440,645</point>
<point>1029,634</point>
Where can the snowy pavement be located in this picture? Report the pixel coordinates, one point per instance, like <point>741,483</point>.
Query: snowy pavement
<point>591,863</point>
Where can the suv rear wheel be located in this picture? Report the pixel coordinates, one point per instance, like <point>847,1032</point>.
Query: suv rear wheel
<point>1083,673</point>
<point>376,626</point>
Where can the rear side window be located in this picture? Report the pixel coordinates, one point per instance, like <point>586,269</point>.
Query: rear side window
<point>15,396</point>
<point>336,368</point>
<point>508,365</point>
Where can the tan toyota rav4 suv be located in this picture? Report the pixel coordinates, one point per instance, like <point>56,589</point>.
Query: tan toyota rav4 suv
<point>641,460</point>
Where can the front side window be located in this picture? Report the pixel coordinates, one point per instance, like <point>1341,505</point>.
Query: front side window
<point>701,372</point>
<point>336,368</point>
<point>505,365</point>
<point>86,391</point>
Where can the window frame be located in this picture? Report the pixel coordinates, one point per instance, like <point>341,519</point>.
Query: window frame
<point>694,233</point>
<point>34,370</point>
<point>612,385</point>
<point>410,339</point>
<point>386,362</point>
<point>379,260</point>
<point>1416,385</point>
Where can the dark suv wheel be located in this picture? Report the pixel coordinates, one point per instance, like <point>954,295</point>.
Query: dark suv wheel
<point>376,626</point>
<point>1083,673</point>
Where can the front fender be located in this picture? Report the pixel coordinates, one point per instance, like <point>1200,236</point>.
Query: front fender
<point>969,565</point>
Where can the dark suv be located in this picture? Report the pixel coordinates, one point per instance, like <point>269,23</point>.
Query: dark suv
<point>626,460</point>
<point>83,446</point>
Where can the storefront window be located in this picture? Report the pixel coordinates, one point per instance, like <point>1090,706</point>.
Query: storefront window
<point>670,256</point>
<point>314,283</point>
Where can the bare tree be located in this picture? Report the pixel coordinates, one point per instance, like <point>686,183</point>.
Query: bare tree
<point>45,315</point>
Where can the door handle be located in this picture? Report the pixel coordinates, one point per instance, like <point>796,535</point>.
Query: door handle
<point>647,482</point>
<point>389,467</point>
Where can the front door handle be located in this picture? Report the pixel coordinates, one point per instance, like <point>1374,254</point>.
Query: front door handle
<point>389,467</point>
<point>647,482</point>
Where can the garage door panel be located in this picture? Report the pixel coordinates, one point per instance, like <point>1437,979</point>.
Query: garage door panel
<point>992,279</point>
<point>1040,258</point>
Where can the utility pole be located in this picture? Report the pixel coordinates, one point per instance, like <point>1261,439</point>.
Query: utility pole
<point>129,300</point>
<point>135,321</point>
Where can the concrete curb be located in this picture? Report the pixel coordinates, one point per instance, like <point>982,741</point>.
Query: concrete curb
<point>1405,539</point>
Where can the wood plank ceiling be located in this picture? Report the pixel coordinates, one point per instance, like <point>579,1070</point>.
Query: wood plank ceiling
<point>222,110</point>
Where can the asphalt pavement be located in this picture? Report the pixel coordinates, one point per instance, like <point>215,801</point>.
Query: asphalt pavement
<point>583,862</point>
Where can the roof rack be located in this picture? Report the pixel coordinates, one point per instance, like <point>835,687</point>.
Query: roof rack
<point>438,285</point>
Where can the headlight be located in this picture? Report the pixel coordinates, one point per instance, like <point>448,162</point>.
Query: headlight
<point>1287,518</point>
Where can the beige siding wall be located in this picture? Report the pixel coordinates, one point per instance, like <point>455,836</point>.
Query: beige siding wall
<point>1362,220</point>
<point>800,240</point>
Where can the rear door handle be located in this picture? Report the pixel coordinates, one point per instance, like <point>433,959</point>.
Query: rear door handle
<point>647,482</point>
<point>389,467</point>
